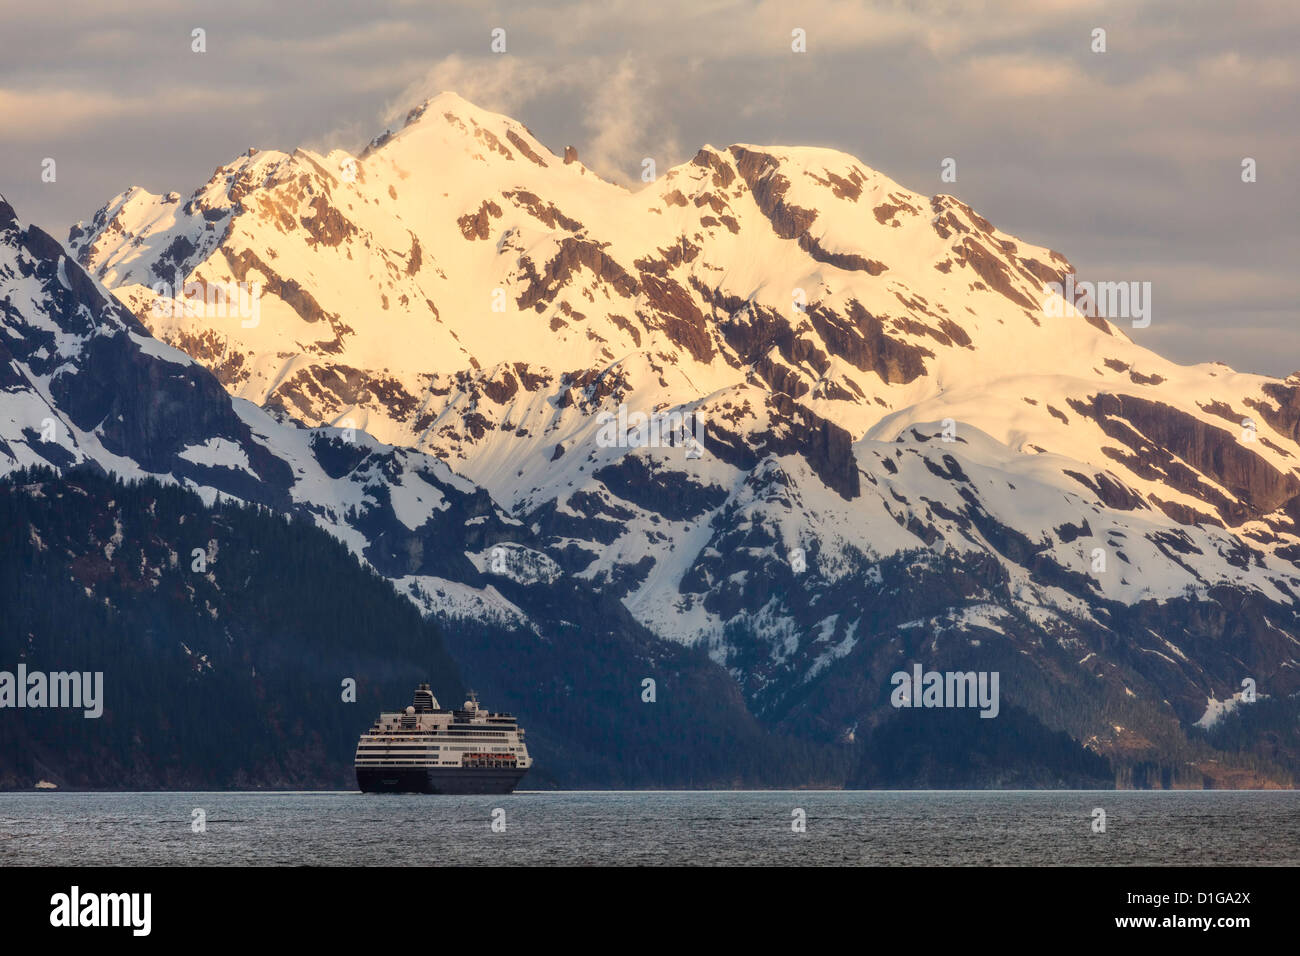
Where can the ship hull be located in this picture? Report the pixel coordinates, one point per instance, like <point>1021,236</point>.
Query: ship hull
<point>439,780</point>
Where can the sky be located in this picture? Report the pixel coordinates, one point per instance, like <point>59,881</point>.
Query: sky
<point>1128,161</point>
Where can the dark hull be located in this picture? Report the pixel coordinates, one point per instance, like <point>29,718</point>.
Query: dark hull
<point>439,780</point>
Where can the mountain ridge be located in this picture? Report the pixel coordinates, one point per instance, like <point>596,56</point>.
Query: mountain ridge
<point>893,415</point>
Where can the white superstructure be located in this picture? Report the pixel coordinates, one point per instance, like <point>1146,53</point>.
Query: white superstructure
<point>466,750</point>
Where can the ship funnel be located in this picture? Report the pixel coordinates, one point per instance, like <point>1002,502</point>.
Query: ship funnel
<point>425,702</point>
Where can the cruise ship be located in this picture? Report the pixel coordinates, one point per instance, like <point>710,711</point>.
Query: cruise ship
<point>426,749</point>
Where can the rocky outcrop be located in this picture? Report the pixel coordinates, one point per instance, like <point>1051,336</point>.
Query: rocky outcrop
<point>859,338</point>
<point>1285,414</point>
<point>571,254</point>
<point>760,171</point>
<point>1158,434</point>
<point>478,225</point>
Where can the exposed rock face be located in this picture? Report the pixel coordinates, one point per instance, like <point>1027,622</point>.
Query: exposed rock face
<point>478,225</point>
<point>1282,409</point>
<point>862,341</point>
<point>572,254</point>
<point>760,172</point>
<point>1160,435</point>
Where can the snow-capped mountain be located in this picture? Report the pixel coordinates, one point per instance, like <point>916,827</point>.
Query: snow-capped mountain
<point>84,382</point>
<point>778,405</point>
<point>84,386</point>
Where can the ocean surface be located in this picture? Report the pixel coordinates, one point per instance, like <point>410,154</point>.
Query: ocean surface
<point>927,828</point>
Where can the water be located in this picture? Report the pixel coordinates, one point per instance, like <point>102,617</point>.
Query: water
<point>963,828</point>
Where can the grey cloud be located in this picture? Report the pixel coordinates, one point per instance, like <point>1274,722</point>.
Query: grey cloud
<point>1127,162</point>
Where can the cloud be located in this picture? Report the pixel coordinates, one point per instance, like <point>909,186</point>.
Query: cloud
<point>626,126</point>
<point>618,101</point>
<point>502,84</point>
<point>43,115</point>
<point>1019,75</point>
<point>1130,157</point>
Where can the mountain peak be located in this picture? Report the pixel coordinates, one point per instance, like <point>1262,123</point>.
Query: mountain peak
<point>449,117</point>
<point>7,215</point>
<point>449,101</point>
